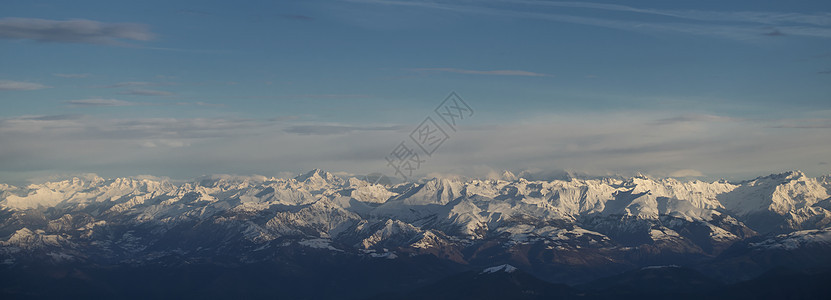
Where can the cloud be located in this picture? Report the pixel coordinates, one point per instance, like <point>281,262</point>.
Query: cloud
<point>693,118</point>
<point>146,92</point>
<point>116,102</point>
<point>8,85</point>
<point>200,103</point>
<point>479,72</point>
<point>774,32</point>
<point>90,128</point>
<point>621,142</point>
<point>100,102</point>
<point>734,16</point>
<point>129,84</point>
<point>824,72</point>
<point>741,25</point>
<point>326,96</point>
<point>804,123</point>
<point>686,173</point>
<point>52,117</point>
<point>169,143</point>
<point>73,31</point>
<point>335,129</point>
<point>71,75</point>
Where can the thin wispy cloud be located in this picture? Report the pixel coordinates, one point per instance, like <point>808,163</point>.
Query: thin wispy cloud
<point>60,117</point>
<point>695,118</point>
<point>309,96</point>
<point>814,123</point>
<point>481,72</point>
<point>326,96</point>
<point>115,102</point>
<point>760,17</point>
<point>774,32</point>
<point>742,25</point>
<point>686,173</point>
<point>9,85</point>
<point>200,103</point>
<point>146,92</point>
<point>73,31</point>
<point>594,143</point>
<point>336,129</point>
<point>133,84</point>
<point>68,75</point>
<point>100,102</point>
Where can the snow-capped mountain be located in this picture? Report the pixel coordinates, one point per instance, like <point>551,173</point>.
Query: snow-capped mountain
<point>591,223</point>
<point>780,202</point>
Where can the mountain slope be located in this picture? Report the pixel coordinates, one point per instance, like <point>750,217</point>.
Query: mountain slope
<point>565,230</point>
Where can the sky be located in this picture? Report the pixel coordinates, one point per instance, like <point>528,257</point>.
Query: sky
<point>181,89</point>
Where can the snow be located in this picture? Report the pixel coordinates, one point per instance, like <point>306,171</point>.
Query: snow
<point>319,244</point>
<point>663,233</point>
<point>428,240</point>
<point>89,189</point>
<point>779,193</point>
<point>796,240</point>
<point>392,229</point>
<point>387,255</point>
<point>321,207</point>
<point>29,239</point>
<point>660,267</point>
<point>500,268</point>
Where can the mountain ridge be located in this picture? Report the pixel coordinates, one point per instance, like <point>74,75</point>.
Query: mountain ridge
<point>590,226</point>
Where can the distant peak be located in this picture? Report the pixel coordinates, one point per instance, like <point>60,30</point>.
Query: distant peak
<point>316,173</point>
<point>794,174</point>
<point>500,268</point>
<point>508,176</point>
<point>641,176</point>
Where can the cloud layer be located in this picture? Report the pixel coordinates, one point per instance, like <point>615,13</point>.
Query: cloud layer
<point>623,143</point>
<point>481,72</point>
<point>738,25</point>
<point>100,102</point>
<point>72,31</point>
<point>146,92</point>
<point>8,85</point>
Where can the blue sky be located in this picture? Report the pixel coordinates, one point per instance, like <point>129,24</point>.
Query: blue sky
<point>703,89</point>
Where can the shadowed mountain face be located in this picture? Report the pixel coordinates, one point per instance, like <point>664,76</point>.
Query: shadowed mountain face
<point>657,282</point>
<point>568,231</point>
<point>501,282</point>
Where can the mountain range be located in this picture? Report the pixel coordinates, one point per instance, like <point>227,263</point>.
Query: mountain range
<point>351,234</point>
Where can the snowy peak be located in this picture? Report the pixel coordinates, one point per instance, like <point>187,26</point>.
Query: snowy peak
<point>506,268</point>
<point>6,187</point>
<point>825,180</point>
<point>436,216</point>
<point>779,178</point>
<point>779,202</point>
<point>782,194</point>
<point>224,181</point>
<point>507,176</point>
<point>84,190</point>
<point>795,240</point>
<point>318,178</point>
<point>314,174</point>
